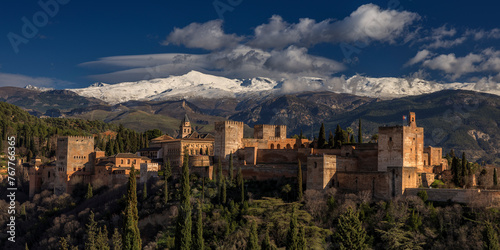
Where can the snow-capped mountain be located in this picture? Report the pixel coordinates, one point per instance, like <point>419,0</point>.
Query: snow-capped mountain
<point>196,84</point>
<point>192,84</point>
<point>41,89</point>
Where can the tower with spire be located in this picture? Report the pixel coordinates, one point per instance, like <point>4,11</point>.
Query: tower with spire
<point>185,127</point>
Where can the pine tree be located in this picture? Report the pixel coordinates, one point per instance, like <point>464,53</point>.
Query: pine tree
<point>145,192</point>
<point>131,235</point>
<point>490,236</point>
<point>183,227</point>
<point>266,242</point>
<point>117,240</point>
<point>350,232</point>
<point>90,242</point>
<point>360,132</point>
<point>198,242</point>
<point>253,240</point>
<point>89,192</point>
<point>231,169</point>
<point>102,239</point>
<point>291,237</point>
<point>301,245</point>
<point>322,136</point>
<point>299,182</point>
<point>495,177</point>
<point>167,169</point>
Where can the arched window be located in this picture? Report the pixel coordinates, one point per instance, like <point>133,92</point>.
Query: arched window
<point>201,151</point>
<point>128,161</point>
<point>278,146</point>
<point>288,146</point>
<point>122,161</point>
<point>272,146</point>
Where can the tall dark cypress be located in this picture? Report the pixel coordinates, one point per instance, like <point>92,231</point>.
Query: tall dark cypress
<point>131,234</point>
<point>253,240</point>
<point>198,242</point>
<point>291,237</point>
<point>464,169</point>
<point>231,169</point>
<point>495,177</point>
<point>322,136</point>
<point>183,228</point>
<point>299,182</point>
<point>241,184</point>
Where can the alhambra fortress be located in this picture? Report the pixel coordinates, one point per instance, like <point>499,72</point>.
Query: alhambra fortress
<point>399,163</point>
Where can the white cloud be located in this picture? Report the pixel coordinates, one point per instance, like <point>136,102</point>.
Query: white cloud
<point>484,34</point>
<point>366,24</point>
<point>17,80</point>
<point>443,37</point>
<point>209,36</point>
<point>239,62</point>
<point>487,61</point>
<point>420,56</point>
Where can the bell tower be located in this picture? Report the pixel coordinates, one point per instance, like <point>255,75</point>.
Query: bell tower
<point>185,128</point>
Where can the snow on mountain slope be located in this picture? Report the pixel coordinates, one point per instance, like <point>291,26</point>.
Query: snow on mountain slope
<point>192,84</point>
<point>196,84</point>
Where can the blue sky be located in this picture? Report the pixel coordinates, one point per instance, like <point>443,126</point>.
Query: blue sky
<point>75,43</point>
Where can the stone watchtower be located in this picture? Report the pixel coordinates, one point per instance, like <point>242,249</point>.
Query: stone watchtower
<point>228,138</point>
<point>185,128</point>
<point>74,154</point>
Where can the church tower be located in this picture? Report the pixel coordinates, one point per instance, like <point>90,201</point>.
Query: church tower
<point>185,128</point>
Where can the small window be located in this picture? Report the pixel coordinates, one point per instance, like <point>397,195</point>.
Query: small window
<point>390,138</point>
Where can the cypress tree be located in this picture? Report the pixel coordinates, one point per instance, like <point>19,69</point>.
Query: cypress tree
<point>116,240</point>
<point>360,132</point>
<point>231,168</point>
<point>350,232</point>
<point>131,235</point>
<point>464,169</point>
<point>167,169</point>
<point>165,190</point>
<point>455,169</point>
<point>301,245</point>
<point>198,238</point>
<point>301,135</point>
<point>490,237</point>
<point>89,192</point>
<point>322,136</point>
<point>299,182</point>
<point>90,243</point>
<point>253,240</point>
<point>224,191</point>
<point>266,242</point>
<point>145,191</point>
<point>339,137</point>
<point>495,177</point>
<point>183,227</point>
<point>241,184</point>
<point>331,140</point>
<point>291,237</point>
<point>102,239</point>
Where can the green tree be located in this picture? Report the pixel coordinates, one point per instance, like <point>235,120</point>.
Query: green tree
<point>495,177</point>
<point>464,173</point>
<point>165,190</point>
<point>360,132</point>
<point>223,191</point>
<point>241,185</point>
<point>198,242</point>
<point>490,236</point>
<point>253,240</point>
<point>456,172</point>
<point>63,243</point>
<point>90,242</point>
<point>292,234</point>
<point>331,140</point>
<point>102,239</point>
<point>322,136</point>
<point>299,182</point>
<point>145,191</point>
<point>350,232</point>
<point>231,169</point>
<point>131,234</point>
<point>183,227</point>
<point>349,133</point>
<point>167,169</point>
<point>423,195</point>
<point>415,221</point>
<point>266,242</point>
<point>89,193</point>
<point>301,245</point>
<point>116,239</point>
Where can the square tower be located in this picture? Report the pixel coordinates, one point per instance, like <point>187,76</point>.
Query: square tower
<point>228,138</point>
